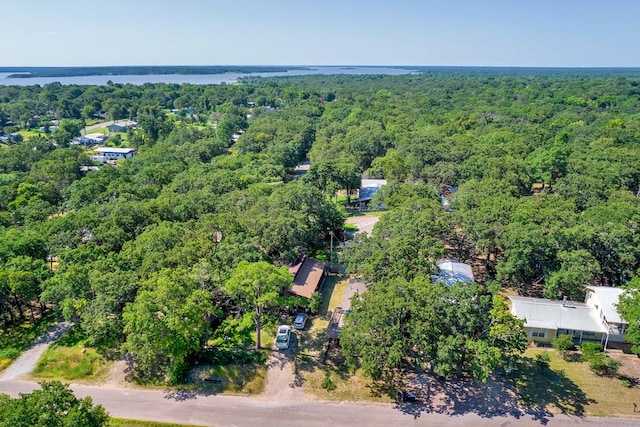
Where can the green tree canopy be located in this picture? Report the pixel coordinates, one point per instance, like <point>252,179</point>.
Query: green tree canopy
<point>54,405</point>
<point>256,287</point>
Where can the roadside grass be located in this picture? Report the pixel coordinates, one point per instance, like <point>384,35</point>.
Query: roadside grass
<point>350,228</point>
<point>229,379</point>
<point>15,339</point>
<point>337,294</point>
<point>68,359</point>
<point>123,422</point>
<point>571,388</point>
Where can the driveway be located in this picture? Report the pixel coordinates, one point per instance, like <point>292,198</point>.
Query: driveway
<point>355,286</point>
<point>29,358</point>
<point>364,223</point>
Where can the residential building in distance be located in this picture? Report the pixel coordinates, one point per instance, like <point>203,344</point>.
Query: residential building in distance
<point>111,154</point>
<point>122,126</point>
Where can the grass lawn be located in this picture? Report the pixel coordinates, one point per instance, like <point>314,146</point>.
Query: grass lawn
<point>69,360</point>
<point>337,293</point>
<point>26,134</point>
<point>103,131</point>
<point>230,379</point>
<point>121,422</point>
<point>15,339</point>
<point>570,387</point>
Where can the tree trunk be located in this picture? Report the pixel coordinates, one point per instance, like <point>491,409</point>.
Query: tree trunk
<point>19,307</point>
<point>258,332</point>
<point>258,319</point>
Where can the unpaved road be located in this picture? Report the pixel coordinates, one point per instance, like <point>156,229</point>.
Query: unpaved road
<point>364,223</point>
<point>28,360</point>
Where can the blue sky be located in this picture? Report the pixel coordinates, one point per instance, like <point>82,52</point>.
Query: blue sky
<point>564,33</point>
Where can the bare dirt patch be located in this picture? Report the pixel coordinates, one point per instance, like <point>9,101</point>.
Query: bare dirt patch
<point>364,223</point>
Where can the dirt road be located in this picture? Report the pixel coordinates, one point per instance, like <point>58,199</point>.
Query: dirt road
<point>364,223</point>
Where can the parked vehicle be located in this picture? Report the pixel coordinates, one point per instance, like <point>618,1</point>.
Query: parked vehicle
<point>301,321</point>
<point>283,337</point>
<point>406,397</point>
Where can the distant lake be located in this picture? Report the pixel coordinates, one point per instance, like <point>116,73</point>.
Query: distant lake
<point>198,79</point>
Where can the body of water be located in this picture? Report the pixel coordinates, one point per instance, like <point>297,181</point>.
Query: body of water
<point>199,79</point>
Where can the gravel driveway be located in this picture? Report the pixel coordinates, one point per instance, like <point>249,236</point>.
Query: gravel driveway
<point>28,360</point>
<point>364,223</point>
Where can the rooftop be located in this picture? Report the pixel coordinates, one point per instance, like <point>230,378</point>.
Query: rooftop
<point>554,314</point>
<point>102,150</point>
<point>369,187</point>
<point>307,277</point>
<point>452,271</point>
<point>609,298</point>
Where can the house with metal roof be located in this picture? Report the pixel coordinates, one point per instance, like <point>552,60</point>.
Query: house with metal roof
<point>546,319</point>
<point>368,189</point>
<point>605,300</point>
<point>452,271</point>
<point>122,126</point>
<point>308,277</point>
<point>596,319</point>
<point>111,154</point>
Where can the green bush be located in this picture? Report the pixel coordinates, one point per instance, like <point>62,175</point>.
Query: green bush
<point>315,303</point>
<point>327,383</point>
<point>591,350</point>
<point>604,366</point>
<point>542,360</point>
<point>563,344</point>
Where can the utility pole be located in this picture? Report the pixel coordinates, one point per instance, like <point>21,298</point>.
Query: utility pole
<point>331,253</point>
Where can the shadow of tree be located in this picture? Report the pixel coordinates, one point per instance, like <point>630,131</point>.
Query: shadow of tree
<point>537,387</point>
<point>532,391</point>
<point>181,394</point>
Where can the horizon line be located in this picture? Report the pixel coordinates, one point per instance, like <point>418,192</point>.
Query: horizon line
<point>329,65</point>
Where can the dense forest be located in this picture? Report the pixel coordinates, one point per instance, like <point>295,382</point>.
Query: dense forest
<point>146,255</point>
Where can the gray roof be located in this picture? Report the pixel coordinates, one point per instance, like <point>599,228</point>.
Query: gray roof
<point>553,314</point>
<point>453,271</point>
<point>369,187</point>
<point>608,298</point>
<point>114,150</point>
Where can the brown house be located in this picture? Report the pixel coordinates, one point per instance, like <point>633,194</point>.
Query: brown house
<point>308,277</point>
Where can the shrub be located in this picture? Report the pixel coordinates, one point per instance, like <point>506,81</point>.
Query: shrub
<point>315,303</point>
<point>626,382</point>
<point>564,345</point>
<point>591,350</point>
<point>327,383</point>
<point>542,360</point>
<point>604,366</point>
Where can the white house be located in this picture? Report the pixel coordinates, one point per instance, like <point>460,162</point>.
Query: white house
<point>111,154</point>
<point>605,300</point>
<point>453,271</point>
<point>122,126</point>
<point>596,319</point>
<point>546,319</point>
<point>91,139</point>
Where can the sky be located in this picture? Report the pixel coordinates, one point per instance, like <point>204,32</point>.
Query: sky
<point>519,33</point>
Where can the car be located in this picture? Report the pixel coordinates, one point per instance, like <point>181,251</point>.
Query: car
<point>301,321</point>
<point>283,337</point>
